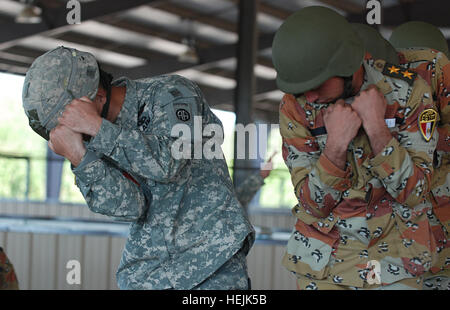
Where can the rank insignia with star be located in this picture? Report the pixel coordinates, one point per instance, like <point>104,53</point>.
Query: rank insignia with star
<point>399,73</point>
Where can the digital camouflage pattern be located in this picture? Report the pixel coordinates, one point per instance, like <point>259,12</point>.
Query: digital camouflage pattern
<point>248,189</point>
<point>52,81</point>
<point>186,220</point>
<point>377,209</point>
<point>229,276</point>
<point>434,67</point>
<point>8,278</point>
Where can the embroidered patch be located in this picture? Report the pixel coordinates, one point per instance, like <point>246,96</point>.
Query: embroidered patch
<point>183,115</point>
<point>427,123</point>
<point>399,73</point>
<point>143,122</point>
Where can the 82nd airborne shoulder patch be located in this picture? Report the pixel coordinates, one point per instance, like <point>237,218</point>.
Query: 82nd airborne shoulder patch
<point>427,123</point>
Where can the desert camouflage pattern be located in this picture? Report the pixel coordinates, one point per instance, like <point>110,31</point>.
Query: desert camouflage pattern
<point>434,282</point>
<point>8,278</point>
<point>378,208</point>
<point>186,221</point>
<point>434,67</point>
<point>248,189</point>
<point>53,80</point>
<point>305,283</point>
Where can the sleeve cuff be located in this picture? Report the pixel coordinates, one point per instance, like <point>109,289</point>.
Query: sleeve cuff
<point>90,168</point>
<point>105,140</point>
<point>332,176</point>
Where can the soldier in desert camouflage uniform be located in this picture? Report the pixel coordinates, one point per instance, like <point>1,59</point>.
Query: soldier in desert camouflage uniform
<point>423,48</point>
<point>362,172</point>
<point>188,231</point>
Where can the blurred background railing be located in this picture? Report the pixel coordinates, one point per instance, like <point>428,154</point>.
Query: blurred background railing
<point>40,238</point>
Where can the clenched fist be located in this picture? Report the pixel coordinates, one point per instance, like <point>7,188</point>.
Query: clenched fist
<point>342,124</point>
<point>370,105</point>
<point>82,116</point>
<point>65,142</point>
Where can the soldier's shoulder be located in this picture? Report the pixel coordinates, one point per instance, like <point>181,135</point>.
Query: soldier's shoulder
<point>174,84</point>
<point>396,72</point>
<point>292,105</point>
<point>420,54</point>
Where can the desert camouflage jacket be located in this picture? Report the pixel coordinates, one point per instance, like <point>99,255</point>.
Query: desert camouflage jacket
<point>186,220</point>
<point>8,279</point>
<point>377,209</point>
<point>434,67</point>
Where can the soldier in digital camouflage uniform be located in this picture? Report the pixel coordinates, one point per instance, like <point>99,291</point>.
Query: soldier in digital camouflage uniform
<point>361,171</point>
<point>8,278</point>
<point>423,48</point>
<point>188,231</point>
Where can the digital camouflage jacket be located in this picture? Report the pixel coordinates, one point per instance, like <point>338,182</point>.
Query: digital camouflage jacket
<point>185,219</point>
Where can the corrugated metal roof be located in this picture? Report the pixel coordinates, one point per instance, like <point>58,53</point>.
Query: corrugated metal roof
<point>142,38</point>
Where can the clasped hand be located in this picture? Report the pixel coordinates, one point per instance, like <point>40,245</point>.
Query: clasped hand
<point>343,121</point>
<point>78,118</point>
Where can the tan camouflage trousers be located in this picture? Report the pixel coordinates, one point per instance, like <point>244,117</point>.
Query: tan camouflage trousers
<point>437,281</point>
<point>303,283</point>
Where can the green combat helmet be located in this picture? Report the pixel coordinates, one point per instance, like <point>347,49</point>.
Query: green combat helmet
<point>419,34</point>
<point>313,45</point>
<point>53,81</point>
<point>375,44</point>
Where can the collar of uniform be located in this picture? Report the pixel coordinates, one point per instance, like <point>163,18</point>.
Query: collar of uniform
<point>373,75</point>
<point>128,111</point>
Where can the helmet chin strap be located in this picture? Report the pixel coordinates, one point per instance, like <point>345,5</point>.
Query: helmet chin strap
<point>106,105</point>
<point>106,79</point>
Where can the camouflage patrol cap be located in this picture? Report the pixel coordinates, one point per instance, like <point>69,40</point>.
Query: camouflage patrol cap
<point>419,34</point>
<point>313,45</point>
<point>53,80</point>
<point>375,44</point>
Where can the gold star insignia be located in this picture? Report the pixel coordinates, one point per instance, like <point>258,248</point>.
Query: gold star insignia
<point>407,74</point>
<point>393,69</point>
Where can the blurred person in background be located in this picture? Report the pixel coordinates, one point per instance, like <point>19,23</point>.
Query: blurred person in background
<point>8,278</point>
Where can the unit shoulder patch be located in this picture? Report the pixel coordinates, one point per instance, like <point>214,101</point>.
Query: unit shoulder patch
<point>183,115</point>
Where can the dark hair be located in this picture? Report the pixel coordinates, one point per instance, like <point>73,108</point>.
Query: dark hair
<point>105,78</point>
<point>105,82</point>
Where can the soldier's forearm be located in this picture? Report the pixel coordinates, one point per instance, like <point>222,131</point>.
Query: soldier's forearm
<point>107,190</point>
<point>336,152</point>
<point>379,137</point>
